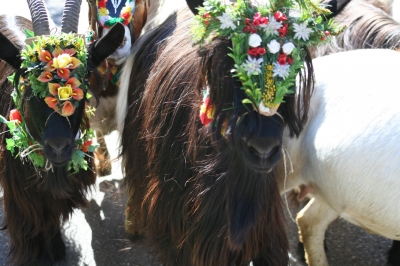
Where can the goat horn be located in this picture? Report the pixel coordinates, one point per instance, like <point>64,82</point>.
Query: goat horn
<point>70,16</point>
<point>39,17</point>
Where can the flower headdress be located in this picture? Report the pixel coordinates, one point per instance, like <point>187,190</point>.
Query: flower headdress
<point>267,44</point>
<point>55,70</point>
<point>111,12</point>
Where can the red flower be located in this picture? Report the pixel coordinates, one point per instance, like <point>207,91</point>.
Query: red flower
<point>206,112</point>
<point>283,31</point>
<point>264,20</point>
<point>102,3</point>
<point>256,22</point>
<point>279,16</point>
<point>247,21</point>
<point>327,33</point>
<point>257,16</point>
<point>247,29</point>
<point>289,60</point>
<point>260,50</point>
<point>15,115</point>
<point>206,18</point>
<point>253,30</point>
<point>252,51</point>
<point>86,145</point>
<point>282,59</point>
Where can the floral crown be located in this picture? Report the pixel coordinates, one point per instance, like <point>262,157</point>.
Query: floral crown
<point>111,12</point>
<point>267,45</point>
<point>55,70</point>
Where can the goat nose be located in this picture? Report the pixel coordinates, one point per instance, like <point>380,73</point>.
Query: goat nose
<point>263,147</point>
<point>59,145</point>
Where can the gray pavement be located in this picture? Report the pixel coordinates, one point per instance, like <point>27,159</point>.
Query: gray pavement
<point>95,236</point>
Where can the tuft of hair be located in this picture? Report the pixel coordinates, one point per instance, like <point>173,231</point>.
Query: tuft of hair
<point>369,26</point>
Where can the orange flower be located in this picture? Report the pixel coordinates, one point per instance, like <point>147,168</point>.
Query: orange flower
<point>77,94</point>
<point>73,82</point>
<point>62,61</point>
<point>45,56</point>
<point>51,101</point>
<point>46,76</point>
<point>67,109</point>
<point>53,88</point>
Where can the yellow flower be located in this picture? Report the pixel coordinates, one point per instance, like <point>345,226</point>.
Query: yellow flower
<point>62,61</point>
<point>65,92</point>
<point>103,12</point>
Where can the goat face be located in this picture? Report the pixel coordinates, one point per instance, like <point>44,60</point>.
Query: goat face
<point>257,139</point>
<point>55,132</point>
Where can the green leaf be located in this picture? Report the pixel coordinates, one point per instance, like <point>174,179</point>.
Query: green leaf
<point>29,33</point>
<point>92,148</point>
<point>10,145</point>
<point>3,119</point>
<point>247,101</point>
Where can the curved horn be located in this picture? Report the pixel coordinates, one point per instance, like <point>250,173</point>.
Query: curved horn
<point>40,20</point>
<point>70,18</point>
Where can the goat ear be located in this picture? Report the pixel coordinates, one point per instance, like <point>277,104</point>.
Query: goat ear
<point>335,6</point>
<point>107,45</point>
<point>9,52</point>
<point>194,4</point>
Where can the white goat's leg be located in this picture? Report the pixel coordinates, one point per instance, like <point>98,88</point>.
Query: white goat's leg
<point>313,220</point>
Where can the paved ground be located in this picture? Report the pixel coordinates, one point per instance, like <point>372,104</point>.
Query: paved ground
<point>95,236</point>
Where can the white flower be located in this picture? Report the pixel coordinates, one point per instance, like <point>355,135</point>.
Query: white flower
<point>252,66</point>
<point>288,47</point>
<point>262,108</point>
<point>226,21</point>
<point>302,32</point>
<point>255,40</point>
<point>274,46</point>
<point>281,70</point>
<point>272,27</point>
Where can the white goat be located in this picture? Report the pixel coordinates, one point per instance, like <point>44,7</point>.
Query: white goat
<point>347,158</point>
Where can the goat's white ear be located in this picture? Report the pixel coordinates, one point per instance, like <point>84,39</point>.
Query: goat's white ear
<point>194,4</point>
<point>9,52</point>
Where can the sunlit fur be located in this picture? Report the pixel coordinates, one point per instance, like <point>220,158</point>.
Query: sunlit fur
<point>37,201</point>
<point>190,189</point>
<point>368,27</point>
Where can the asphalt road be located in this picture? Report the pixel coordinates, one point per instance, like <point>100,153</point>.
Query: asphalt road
<point>95,236</point>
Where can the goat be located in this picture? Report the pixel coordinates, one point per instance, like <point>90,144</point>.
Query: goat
<point>367,27</point>
<point>103,121</point>
<point>348,170</point>
<point>41,183</point>
<point>203,195</point>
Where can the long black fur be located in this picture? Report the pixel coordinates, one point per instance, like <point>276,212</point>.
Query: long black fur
<point>191,189</point>
<point>36,201</point>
